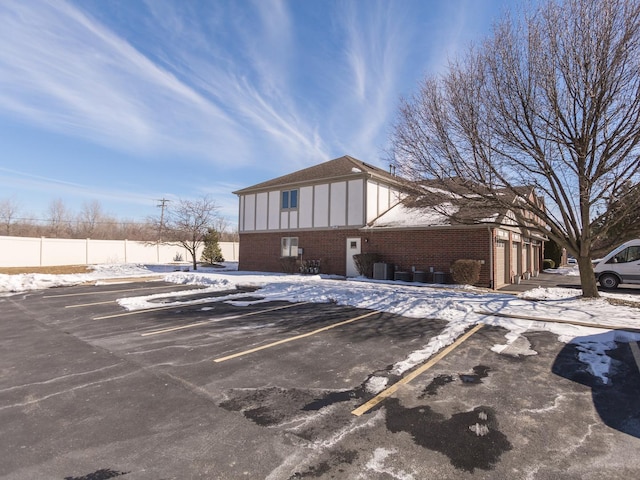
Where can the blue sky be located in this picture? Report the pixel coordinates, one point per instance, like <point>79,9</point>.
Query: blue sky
<point>129,101</point>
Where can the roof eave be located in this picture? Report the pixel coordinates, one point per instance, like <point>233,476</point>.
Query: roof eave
<point>355,175</point>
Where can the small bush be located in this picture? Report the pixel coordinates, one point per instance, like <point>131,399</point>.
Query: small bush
<point>466,272</point>
<point>364,263</point>
<point>177,257</point>
<point>289,264</point>
<point>548,263</point>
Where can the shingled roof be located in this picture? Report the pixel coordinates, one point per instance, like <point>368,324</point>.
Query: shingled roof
<point>451,202</point>
<point>337,168</point>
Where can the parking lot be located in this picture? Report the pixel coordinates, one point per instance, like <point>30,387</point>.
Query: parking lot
<point>283,390</point>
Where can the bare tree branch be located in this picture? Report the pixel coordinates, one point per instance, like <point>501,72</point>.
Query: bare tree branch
<point>552,103</point>
<point>8,211</point>
<point>186,223</point>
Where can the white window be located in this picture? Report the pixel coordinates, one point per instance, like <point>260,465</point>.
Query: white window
<point>289,247</point>
<point>290,200</point>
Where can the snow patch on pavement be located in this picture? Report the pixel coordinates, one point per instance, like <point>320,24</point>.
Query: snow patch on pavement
<point>517,345</point>
<point>376,384</point>
<point>377,464</point>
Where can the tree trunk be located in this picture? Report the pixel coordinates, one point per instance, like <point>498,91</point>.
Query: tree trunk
<point>587,278</point>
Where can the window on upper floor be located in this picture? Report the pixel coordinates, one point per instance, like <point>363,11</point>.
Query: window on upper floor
<point>289,200</point>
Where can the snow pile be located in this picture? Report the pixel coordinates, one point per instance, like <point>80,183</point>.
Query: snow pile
<point>37,281</point>
<point>571,271</point>
<point>541,293</point>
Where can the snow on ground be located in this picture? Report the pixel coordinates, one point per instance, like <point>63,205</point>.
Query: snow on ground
<point>459,307</point>
<point>571,271</point>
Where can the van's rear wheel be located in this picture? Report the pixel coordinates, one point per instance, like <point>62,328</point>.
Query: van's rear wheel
<point>609,281</point>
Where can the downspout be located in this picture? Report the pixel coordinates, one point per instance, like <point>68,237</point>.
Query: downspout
<point>491,245</point>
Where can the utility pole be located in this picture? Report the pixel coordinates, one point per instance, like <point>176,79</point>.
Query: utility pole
<point>162,205</point>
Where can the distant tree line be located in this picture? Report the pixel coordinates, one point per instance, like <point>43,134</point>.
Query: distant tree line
<point>91,221</point>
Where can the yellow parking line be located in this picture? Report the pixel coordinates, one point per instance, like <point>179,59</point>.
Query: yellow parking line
<point>364,408</point>
<point>232,317</point>
<point>291,339</point>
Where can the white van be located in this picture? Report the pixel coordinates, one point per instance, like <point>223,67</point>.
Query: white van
<point>622,265</point>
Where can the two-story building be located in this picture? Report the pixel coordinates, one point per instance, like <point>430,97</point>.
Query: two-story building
<point>326,214</point>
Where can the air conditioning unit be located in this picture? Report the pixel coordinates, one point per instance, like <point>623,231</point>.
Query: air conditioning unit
<point>383,271</point>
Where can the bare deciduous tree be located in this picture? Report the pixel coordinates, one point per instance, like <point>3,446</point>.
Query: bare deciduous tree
<point>59,219</point>
<point>221,224</point>
<point>186,223</point>
<point>89,219</point>
<point>619,219</point>
<point>230,235</point>
<point>551,102</point>
<point>8,212</point>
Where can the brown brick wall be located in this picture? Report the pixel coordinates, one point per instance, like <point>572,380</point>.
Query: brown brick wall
<point>421,249</point>
<point>261,251</point>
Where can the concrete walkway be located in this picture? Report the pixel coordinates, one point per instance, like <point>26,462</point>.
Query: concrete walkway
<point>544,280</point>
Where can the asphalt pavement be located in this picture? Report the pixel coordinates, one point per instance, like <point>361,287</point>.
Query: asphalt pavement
<point>544,280</point>
<point>89,391</point>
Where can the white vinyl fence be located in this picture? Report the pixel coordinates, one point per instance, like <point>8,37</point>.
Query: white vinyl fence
<point>38,252</point>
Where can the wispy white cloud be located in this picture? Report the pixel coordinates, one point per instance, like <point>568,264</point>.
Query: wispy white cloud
<point>55,187</point>
<point>227,204</point>
<point>454,27</point>
<point>388,47</point>
<point>62,70</point>
<point>199,91</point>
<point>375,53</point>
<point>237,83</point>
<point>245,68</point>
<point>261,90</point>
